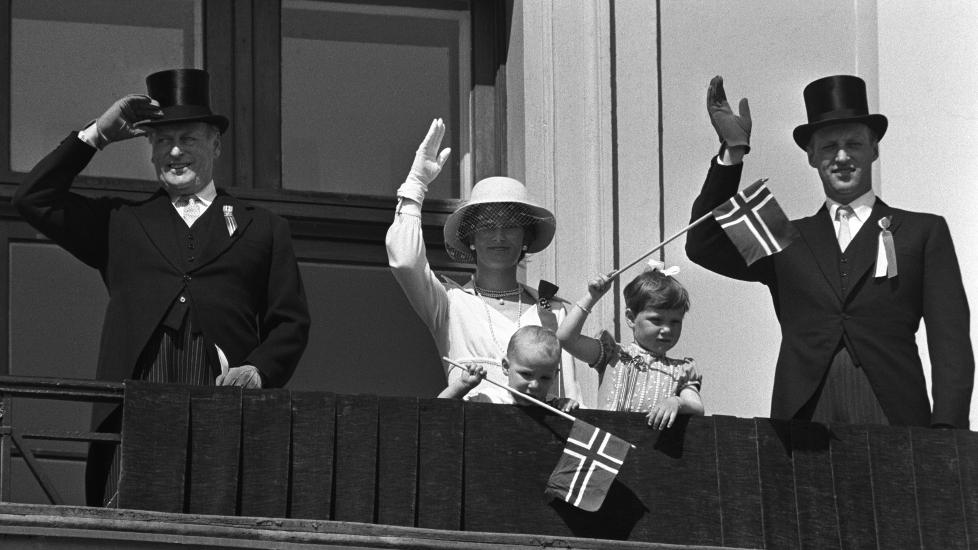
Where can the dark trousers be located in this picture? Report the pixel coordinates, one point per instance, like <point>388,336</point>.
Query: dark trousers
<point>172,357</point>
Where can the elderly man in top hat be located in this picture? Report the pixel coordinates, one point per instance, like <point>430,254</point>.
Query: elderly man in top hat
<point>851,290</point>
<point>203,288</point>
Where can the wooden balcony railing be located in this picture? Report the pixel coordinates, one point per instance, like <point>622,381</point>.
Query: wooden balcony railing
<point>314,461</point>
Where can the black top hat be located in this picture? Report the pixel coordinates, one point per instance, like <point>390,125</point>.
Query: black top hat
<point>835,99</point>
<point>184,96</point>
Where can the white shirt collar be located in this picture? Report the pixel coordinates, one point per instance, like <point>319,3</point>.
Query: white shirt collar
<point>862,206</point>
<point>205,195</point>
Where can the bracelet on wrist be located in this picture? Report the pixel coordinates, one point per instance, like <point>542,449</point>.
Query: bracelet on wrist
<point>583,308</point>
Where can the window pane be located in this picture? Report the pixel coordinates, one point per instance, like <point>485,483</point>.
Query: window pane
<point>71,60</point>
<point>360,86</point>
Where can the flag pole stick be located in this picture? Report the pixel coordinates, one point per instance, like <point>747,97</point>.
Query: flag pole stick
<point>516,393</point>
<point>702,219</point>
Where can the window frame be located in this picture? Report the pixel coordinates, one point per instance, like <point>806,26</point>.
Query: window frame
<point>236,42</point>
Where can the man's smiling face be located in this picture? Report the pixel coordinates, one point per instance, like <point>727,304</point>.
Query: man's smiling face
<point>843,154</point>
<point>183,155</point>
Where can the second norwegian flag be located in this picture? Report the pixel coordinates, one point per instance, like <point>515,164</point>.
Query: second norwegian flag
<point>755,223</point>
<point>587,467</point>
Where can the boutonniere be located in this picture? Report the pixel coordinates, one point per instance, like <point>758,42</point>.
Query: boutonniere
<point>886,261</point>
<point>229,219</point>
<point>545,292</point>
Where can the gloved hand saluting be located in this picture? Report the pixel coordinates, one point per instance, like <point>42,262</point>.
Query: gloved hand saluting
<point>119,121</point>
<point>733,130</point>
<point>428,163</point>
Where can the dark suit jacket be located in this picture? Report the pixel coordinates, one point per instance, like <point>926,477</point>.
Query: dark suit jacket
<point>244,289</point>
<point>876,318</point>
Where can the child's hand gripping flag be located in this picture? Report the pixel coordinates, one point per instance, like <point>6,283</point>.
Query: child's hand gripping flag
<point>589,463</point>
<point>755,223</point>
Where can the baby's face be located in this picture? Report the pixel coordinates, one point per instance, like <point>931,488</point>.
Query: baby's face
<point>656,330</point>
<point>532,376</point>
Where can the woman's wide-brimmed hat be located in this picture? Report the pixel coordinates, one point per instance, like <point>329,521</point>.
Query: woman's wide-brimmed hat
<point>184,96</point>
<point>836,99</point>
<point>497,202</point>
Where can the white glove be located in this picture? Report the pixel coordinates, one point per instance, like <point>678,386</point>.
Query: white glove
<point>428,163</point>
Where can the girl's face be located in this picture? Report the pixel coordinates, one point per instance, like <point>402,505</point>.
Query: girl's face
<point>656,330</point>
<point>498,248</point>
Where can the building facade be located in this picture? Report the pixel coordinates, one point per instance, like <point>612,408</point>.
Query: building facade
<point>597,105</point>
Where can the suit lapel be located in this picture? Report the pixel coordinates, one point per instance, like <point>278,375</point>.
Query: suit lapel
<point>863,249</point>
<point>156,216</point>
<point>220,239</point>
<point>819,234</point>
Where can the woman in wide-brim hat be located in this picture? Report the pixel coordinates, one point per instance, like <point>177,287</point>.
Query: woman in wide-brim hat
<point>494,229</point>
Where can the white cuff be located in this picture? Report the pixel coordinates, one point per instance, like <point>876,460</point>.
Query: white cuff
<point>412,190</point>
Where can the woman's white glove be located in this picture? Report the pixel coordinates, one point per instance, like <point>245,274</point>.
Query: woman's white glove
<point>427,165</point>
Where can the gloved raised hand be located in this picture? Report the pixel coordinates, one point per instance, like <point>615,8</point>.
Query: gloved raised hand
<point>733,130</point>
<point>118,122</point>
<point>428,163</point>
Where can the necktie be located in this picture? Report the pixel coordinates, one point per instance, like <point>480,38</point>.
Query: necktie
<point>191,208</point>
<point>843,214</point>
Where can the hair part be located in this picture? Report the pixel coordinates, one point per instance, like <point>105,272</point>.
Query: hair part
<point>656,290</point>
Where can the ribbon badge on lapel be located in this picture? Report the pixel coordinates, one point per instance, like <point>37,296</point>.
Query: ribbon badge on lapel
<point>229,219</point>
<point>886,262</point>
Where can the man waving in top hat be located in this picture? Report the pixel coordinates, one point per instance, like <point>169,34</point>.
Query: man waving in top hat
<point>851,291</point>
<point>203,288</point>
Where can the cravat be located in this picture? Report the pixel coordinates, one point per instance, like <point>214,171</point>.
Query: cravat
<point>190,208</point>
<point>843,214</point>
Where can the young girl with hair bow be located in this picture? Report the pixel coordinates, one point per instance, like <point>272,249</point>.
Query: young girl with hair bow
<point>639,377</point>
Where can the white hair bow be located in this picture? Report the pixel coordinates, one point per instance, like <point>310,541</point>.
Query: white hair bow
<point>656,265</point>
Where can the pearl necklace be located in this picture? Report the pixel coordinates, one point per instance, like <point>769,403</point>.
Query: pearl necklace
<point>500,295</point>
<point>519,312</point>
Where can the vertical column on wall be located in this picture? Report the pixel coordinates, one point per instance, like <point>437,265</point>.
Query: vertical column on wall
<point>638,149</point>
<point>218,48</point>
<point>243,119</point>
<point>488,99</point>
<point>266,85</point>
<point>567,117</point>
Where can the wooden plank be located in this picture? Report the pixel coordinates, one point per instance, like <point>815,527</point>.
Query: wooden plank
<point>509,454</point>
<point>852,477</point>
<point>818,523</point>
<point>356,458</point>
<point>155,430</point>
<point>397,461</point>
<point>674,475</point>
<point>266,425</point>
<point>215,450</point>
<point>968,452</point>
<point>777,483</point>
<point>742,520</point>
<point>939,503</point>
<point>313,446</point>
<point>894,494</point>
<point>440,450</point>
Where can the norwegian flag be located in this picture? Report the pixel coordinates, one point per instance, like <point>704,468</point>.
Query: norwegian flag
<point>589,463</point>
<point>755,223</point>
